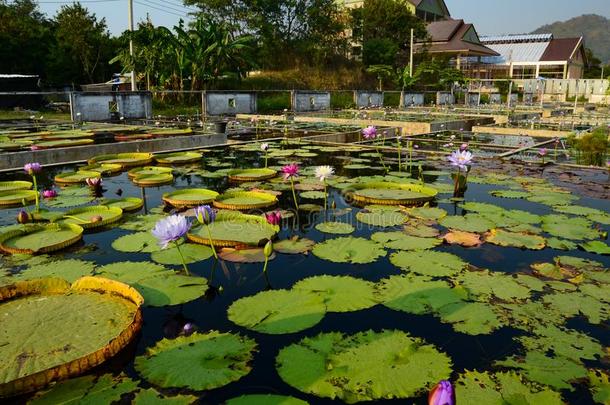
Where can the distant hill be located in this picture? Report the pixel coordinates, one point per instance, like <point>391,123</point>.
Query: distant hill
<point>595,29</point>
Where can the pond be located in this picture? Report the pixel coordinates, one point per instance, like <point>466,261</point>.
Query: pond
<point>504,292</point>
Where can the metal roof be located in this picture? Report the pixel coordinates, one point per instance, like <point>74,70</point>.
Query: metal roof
<point>517,53</point>
<point>13,76</point>
<point>516,38</point>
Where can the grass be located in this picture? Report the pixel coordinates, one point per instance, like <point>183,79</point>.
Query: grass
<point>21,115</point>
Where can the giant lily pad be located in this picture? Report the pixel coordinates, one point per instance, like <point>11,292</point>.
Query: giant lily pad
<point>76,177</point>
<point>158,285</point>
<point>233,228</point>
<point>178,158</point>
<point>17,197</point>
<point>428,263</point>
<point>36,239</point>
<point>362,367</point>
<point>245,200</point>
<point>251,174</point>
<point>153,179</point>
<point>198,362</point>
<point>124,159</point>
<point>340,294</point>
<point>278,311</point>
<point>93,217</point>
<point>190,197</point>
<point>349,250</point>
<point>15,185</point>
<point>69,270</point>
<point>149,170</point>
<point>71,197</point>
<point>385,193</point>
<point>127,204</point>
<point>475,387</point>
<point>87,390</point>
<point>85,324</point>
<point>265,399</point>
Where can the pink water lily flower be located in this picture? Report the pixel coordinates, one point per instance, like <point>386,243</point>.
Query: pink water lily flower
<point>32,168</point>
<point>542,152</point>
<point>290,171</point>
<point>274,218</point>
<point>442,394</point>
<point>94,182</point>
<point>49,194</point>
<point>369,132</point>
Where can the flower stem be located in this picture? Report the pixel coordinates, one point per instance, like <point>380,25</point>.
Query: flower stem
<point>325,196</point>
<point>399,158</point>
<point>266,159</point>
<point>186,270</point>
<point>36,189</point>
<point>381,159</point>
<point>294,195</point>
<point>457,182</point>
<point>265,265</point>
<point>211,242</point>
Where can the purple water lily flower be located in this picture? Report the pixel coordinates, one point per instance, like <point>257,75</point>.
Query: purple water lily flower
<point>205,214</point>
<point>460,159</point>
<point>49,194</point>
<point>170,229</point>
<point>290,171</point>
<point>369,132</point>
<point>32,168</point>
<point>542,152</point>
<point>23,217</point>
<point>442,394</point>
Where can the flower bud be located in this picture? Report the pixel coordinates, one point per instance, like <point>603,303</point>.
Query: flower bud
<point>268,250</point>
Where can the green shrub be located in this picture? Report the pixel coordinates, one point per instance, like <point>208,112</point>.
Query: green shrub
<point>592,148</point>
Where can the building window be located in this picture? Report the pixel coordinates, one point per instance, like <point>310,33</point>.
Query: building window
<point>524,72</point>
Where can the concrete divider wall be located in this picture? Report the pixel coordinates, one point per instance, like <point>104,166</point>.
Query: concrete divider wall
<point>412,99</point>
<point>495,98</point>
<point>473,99</point>
<point>104,106</point>
<point>230,103</point>
<point>444,98</point>
<point>306,101</point>
<point>368,98</point>
<point>17,160</point>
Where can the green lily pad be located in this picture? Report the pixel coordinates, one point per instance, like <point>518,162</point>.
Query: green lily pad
<point>510,194</point>
<point>468,223</point>
<point>597,247</point>
<point>382,217</point>
<point>572,304</point>
<point>428,263</point>
<point>265,399</point>
<point>87,390</point>
<point>278,311</point>
<point>198,362</point>
<point>71,197</point>
<point>190,197</point>
<point>564,342</point>
<point>402,241</point>
<point>340,294</point>
<point>472,318</point>
<point>362,367</point>
<point>486,284</point>
<point>141,222</point>
<point>178,158</point>
<point>69,270</point>
<point>421,230</point>
<point>36,239</point>
<point>571,228</point>
<point>15,185</point>
<point>251,174</point>
<point>557,372</point>
<point>473,387</point>
<point>427,213</point>
<point>336,228</point>
<point>599,381</point>
<point>76,177</point>
<point>158,285</point>
<point>293,246</point>
<point>349,250</point>
<point>501,237</point>
<point>139,242</point>
<point>153,397</point>
<point>127,204</point>
<point>10,198</point>
<point>234,228</point>
<point>312,195</point>
<point>552,198</point>
<point>93,217</point>
<point>191,253</point>
<point>561,244</point>
<point>388,193</point>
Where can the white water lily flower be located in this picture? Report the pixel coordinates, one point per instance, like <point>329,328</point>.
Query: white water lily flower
<point>265,147</point>
<point>324,172</point>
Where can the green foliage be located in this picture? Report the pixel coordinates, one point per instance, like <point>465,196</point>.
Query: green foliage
<point>591,148</point>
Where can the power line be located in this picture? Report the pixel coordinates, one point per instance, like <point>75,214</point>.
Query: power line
<point>161,9</point>
<point>166,6</point>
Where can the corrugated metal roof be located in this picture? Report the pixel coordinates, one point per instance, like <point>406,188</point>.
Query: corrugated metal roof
<point>516,38</point>
<point>511,53</point>
<point>12,76</point>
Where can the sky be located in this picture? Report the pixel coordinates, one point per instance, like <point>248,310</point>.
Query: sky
<point>490,17</point>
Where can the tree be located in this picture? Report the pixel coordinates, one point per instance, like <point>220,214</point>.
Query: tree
<point>82,46</point>
<point>382,72</point>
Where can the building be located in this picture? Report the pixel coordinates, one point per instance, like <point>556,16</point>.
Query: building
<point>532,56</point>
<point>427,10</point>
<point>457,40</point>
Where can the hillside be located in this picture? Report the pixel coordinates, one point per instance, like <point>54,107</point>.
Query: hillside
<point>595,29</point>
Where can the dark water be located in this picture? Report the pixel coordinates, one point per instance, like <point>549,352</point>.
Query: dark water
<point>239,280</point>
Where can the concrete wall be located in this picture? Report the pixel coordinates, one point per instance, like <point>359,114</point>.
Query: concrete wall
<point>568,87</point>
<point>495,98</point>
<point>229,103</point>
<point>514,99</point>
<point>100,106</point>
<point>528,98</point>
<point>536,133</point>
<point>17,160</point>
<point>412,99</point>
<point>444,98</point>
<point>473,99</point>
<point>305,101</point>
<point>368,98</point>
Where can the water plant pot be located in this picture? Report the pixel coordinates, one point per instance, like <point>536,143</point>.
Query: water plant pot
<point>220,127</point>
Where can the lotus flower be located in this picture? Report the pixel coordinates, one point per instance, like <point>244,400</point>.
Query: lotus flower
<point>265,147</point>
<point>94,182</point>
<point>369,132</point>
<point>324,172</point>
<point>205,214</point>
<point>460,159</point>
<point>442,394</point>
<point>23,217</point>
<point>32,168</point>
<point>274,218</point>
<point>290,171</point>
<point>268,249</point>
<point>170,229</point>
<point>49,194</point>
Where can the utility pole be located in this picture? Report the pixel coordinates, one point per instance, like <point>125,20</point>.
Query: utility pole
<point>134,86</point>
<point>411,54</point>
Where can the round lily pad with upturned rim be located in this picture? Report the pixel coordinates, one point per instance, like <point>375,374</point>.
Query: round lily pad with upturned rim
<point>76,177</point>
<point>102,168</point>
<point>127,204</point>
<point>363,367</point>
<point>63,143</point>
<point>84,216</point>
<point>254,174</point>
<point>386,193</point>
<point>153,180</point>
<point>198,362</point>
<point>16,197</point>
<point>124,159</point>
<point>86,323</point>
<point>234,228</point>
<point>178,158</point>
<point>278,311</point>
<point>191,197</point>
<point>36,239</point>
<point>15,185</point>
<point>245,200</point>
<point>146,170</point>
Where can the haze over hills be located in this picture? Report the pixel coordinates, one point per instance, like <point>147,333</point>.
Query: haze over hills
<point>595,28</point>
